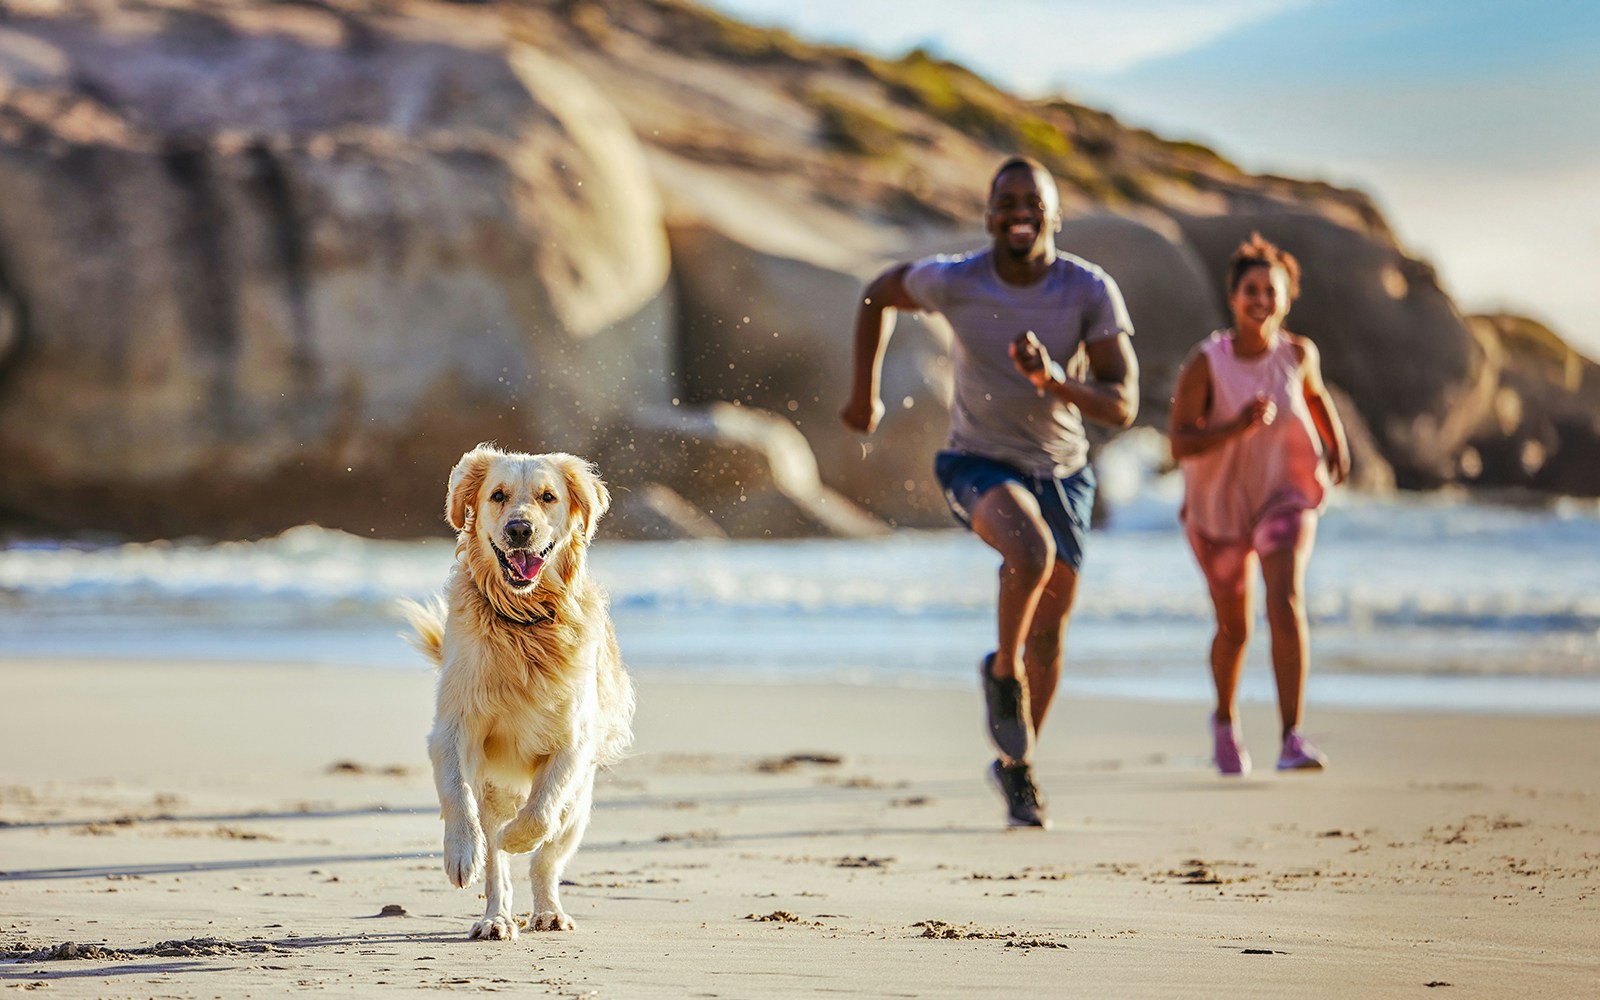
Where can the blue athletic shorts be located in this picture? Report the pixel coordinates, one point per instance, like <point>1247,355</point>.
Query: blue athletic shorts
<point>1066,503</point>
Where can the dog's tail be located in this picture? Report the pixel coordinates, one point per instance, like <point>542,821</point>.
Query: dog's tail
<point>427,626</point>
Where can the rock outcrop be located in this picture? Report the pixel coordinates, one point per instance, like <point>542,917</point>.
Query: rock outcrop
<point>831,138</point>
<point>263,264</point>
<point>773,332</point>
<point>277,265</point>
<point>1542,430</point>
<point>750,472</point>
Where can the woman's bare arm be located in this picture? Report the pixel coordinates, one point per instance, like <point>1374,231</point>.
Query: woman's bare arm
<point>1336,448</point>
<point>1188,430</point>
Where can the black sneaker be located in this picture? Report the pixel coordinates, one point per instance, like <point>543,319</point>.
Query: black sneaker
<point>1024,805</point>
<point>1004,701</point>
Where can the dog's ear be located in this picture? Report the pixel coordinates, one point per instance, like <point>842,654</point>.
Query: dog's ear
<point>590,498</point>
<point>466,479</point>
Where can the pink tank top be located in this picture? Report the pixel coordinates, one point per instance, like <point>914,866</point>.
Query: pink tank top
<point>1233,486</point>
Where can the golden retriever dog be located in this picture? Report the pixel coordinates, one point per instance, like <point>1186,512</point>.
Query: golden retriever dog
<point>533,698</point>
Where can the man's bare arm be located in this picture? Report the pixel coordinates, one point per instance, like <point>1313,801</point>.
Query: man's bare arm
<point>1111,397</point>
<point>883,296</point>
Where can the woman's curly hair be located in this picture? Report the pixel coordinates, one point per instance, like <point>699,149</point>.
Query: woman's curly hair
<point>1257,251</point>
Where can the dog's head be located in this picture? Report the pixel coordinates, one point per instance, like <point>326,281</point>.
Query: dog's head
<point>522,517</point>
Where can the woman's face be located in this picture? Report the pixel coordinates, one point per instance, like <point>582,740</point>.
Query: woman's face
<point>1260,297</point>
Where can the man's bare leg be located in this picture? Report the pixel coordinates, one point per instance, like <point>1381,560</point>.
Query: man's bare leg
<point>1041,654</point>
<point>1008,519</point>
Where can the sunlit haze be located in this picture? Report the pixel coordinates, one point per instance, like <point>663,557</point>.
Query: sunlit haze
<point>1472,124</point>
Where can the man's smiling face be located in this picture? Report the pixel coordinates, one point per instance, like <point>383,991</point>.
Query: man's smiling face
<point>1024,213</point>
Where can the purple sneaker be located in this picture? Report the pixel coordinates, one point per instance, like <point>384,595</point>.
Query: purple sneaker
<point>1228,750</point>
<point>1298,755</point>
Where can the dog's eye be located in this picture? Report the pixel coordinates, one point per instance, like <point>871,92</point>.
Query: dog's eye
<point>548,497</point>
<point>498,496</point>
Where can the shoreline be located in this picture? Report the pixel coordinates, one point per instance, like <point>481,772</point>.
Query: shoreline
<point>263,816</point>
<point>1373,690</point>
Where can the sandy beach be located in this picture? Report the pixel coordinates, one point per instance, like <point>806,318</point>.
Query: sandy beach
<point>229,830</point>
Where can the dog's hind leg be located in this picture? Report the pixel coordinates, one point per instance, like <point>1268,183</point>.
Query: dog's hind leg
<point>552,857</point>
<point>497,924</point>
<point>463,834</point>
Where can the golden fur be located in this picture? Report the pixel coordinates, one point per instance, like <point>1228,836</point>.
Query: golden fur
<point>533,698</point>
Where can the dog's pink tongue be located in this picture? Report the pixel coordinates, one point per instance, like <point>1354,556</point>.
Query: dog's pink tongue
<point>526,564</point>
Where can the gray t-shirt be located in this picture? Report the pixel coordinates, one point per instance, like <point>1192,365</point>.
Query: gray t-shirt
<point>997,413</point>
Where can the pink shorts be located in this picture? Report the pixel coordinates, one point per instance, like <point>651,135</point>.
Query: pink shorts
<point>1225,563</point>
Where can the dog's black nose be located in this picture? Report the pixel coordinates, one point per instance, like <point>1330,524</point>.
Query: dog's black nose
<point>519,533</point>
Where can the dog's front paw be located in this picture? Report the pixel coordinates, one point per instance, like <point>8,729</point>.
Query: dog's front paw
<point>496,928</point>
<point>550,920</point>
<point>463,857</point>
<point>523,834</point>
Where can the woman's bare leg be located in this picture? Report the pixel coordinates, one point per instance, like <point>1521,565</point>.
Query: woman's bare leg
<point>1227,570</point>
<point>1284,572</point>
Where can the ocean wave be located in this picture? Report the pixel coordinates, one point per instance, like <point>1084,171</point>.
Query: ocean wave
<point>1427,563</point>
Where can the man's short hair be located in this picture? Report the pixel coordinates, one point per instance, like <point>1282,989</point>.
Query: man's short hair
<point>1021,163</point>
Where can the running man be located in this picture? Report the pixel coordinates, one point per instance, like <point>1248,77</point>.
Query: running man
<point>1015,468</point>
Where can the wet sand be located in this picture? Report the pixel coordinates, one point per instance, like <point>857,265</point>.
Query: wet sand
<point>236,830</point>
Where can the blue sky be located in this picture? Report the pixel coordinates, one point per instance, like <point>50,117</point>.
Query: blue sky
<point>1475,124</point>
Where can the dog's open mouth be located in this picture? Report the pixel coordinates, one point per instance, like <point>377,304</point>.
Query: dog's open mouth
<point>521,566</point>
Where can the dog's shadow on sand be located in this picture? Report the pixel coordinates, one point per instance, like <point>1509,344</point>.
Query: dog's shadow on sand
<point>237,817</point>
<point>169,958</point>
<point>736,798</point>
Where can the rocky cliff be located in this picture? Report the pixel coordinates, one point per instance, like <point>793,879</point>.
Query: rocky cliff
<point>268,263</point>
